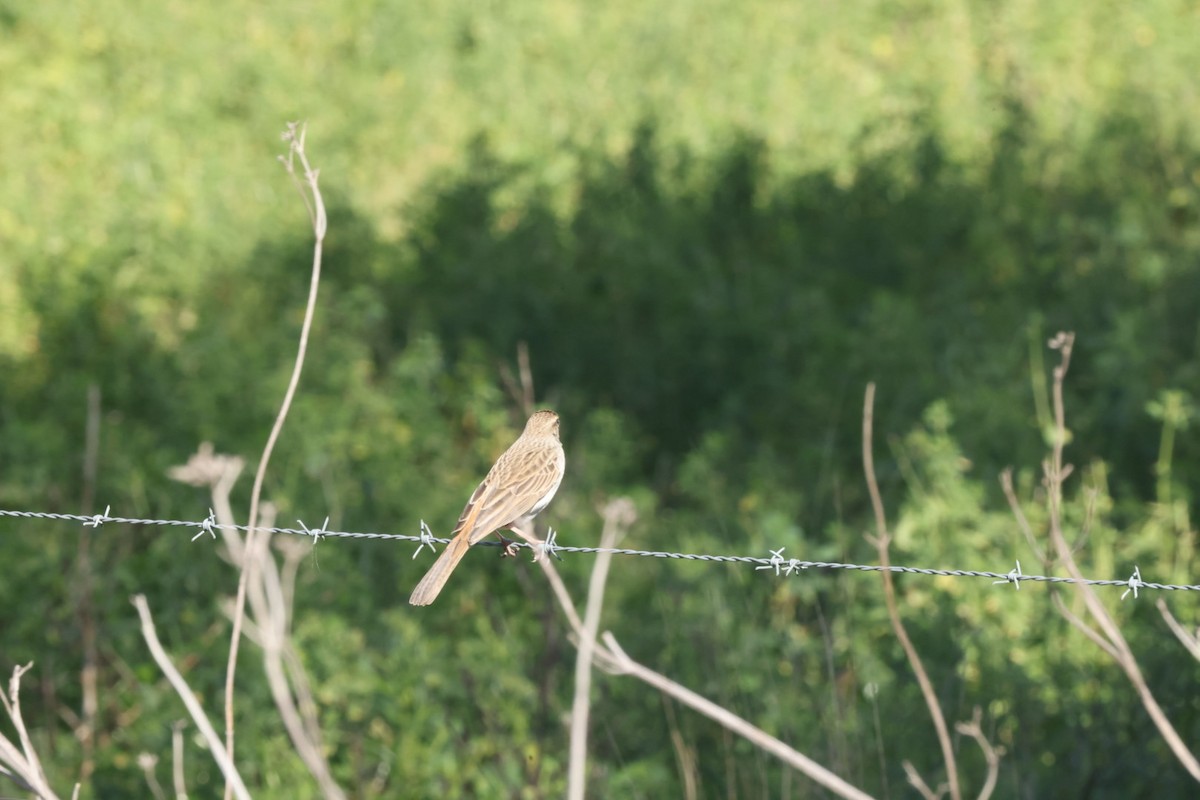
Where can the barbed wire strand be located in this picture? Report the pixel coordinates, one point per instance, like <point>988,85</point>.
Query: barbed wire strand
<point>777,562</point>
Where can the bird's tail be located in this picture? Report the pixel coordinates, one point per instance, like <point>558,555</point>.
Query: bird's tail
<point>431,585</point>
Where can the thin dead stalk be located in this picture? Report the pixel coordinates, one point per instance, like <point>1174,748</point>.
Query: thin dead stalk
<point>619,515</point>
<point>1056,473</point>
<point>1071,617</point>
<point>311,194</point>
<point>685,756</point>
<point>520,386</point>
<point>991,755</point>
<point>270,595</point>
<point>1189,639</point>
<point>177,760</point>
<point>21,765</point>
<point>610,657</point>
<point>620,663</point>
<point>1006,483</point>
<point>150,634</point>
<point>882,542</point>
<point>917,782</point>
<point>148,763</point>
<point>85,608</point>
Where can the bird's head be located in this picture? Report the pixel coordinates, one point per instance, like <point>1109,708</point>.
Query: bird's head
<point>543,423</point>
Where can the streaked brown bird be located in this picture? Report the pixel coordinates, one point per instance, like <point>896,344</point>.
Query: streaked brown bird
<point>520,484</point>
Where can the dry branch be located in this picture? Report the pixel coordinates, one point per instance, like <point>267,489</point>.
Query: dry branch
<point>1109,636</point>
<point>882,542</point>
<point>610,657</point>
<point>991,755</point>
<point>150,634</point>
<point>21,765</point>
<point>1189,639</point>
<point>85,606</point>
<point>310,192</point>
<point>270,595</point>
<point>177,760</point>
<point>619,515</point>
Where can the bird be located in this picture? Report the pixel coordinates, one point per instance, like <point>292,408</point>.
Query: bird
<point>520,484</point>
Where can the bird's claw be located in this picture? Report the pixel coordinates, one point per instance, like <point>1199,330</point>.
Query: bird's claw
<point>510,547</point>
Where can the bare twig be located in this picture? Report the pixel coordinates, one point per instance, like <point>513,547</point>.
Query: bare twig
<point>917,782</point>
<point>610,657</point>
<point>624,665</point>
<point>1189,639</point>
<point>882,543</point>
<point>311,194</point>
<point>1089,514</point>
<point>232,778</point>
<point>91,448</point>
<point>270,596</point>
<point>685,756</point>
<point>619,514</point>
<point>991,755</point>
<point>526,376</point>
<point>85,605</point>
<point>147,762</point>
<point>294,551</point>
<point>21,766</point>
<point>177,760</point>
<point>1055,474</point>
<point>520,387</point>
<point>5,772</point>
<point>563,596</point>
<point>218,473</point>
<point>1010,494</point>
<point>1082,626</point>
<point>872,693</point>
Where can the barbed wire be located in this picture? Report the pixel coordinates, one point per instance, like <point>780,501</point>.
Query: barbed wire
<point>776,562</point>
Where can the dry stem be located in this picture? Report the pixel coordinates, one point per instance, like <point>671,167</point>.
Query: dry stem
<point>177,760</point>
<point>85,605</point>
<point>619,514</point>
<point>610,657</point>
<point>991,755</point>
<point>269,621</point>
<point>232,778</point>
<point>882,543</point>
<point>311,194</point>
<point>1055,474</point>
<point>21,766</point>
<point>1189,639</point>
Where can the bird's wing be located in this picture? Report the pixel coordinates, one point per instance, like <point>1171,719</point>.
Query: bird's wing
<point>514,487</point>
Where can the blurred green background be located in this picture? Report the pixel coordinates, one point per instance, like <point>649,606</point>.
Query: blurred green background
<point>712,223</point>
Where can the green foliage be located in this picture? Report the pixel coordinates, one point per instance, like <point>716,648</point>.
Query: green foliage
<point>712,224</point>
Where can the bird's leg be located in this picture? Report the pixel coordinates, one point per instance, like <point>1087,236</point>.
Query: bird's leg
<point>526,532</point>
<point>510,546</point>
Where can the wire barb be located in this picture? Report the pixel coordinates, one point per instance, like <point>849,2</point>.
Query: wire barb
<point>550,546</point>
<point>776,561</point>
<point>426,540</point>
<point>1134,583</point>
<point>207,526</point>
<point>1014,577</point>
<point>317,533</point>
<point>98,519</point>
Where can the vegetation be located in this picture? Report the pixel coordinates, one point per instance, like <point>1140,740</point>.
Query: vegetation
<point>712,224</point>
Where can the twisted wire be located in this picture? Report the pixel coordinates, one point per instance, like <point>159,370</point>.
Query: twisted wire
<point>776,562</point>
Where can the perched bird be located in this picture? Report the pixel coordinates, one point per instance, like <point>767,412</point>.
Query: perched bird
<point>519,485</point>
